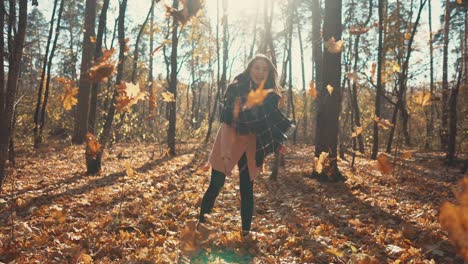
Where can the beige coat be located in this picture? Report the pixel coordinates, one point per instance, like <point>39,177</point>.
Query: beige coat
<point>228,149</point>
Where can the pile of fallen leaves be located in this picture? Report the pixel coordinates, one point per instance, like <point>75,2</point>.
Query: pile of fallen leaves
<point>143,209</point>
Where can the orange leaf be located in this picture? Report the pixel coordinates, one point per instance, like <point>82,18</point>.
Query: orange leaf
<point>187,238</point>
<point>334,46</point>
<point>312,90</point>
<point>103,68</point>
<point>93,148</point>
<point>358,30</point>
<point>129,94</point>
<point>383,123</point>
<point>454,219</point>
<point>373,69</point>
<point>257,96</point>
<point>384,164</point>
<point>407,154</point>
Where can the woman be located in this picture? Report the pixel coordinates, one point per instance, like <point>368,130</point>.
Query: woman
<point>247,134</point>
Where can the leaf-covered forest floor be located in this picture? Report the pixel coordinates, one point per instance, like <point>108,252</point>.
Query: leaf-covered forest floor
<point>51,212</point>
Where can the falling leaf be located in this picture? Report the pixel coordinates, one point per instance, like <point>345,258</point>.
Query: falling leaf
<point>383,123</point>
<point>330,89</point>
<point>334,46</point>
<point>69,96</point>
<point>357,132</point>
<point>384,164</point>
<point>358,30</point>
<point>407,36</point>
<point>373,69</point>
<point>454,218</point>
<point>312,90</point>
<point>92,39</point>
<point>422,98</point>
<point>158,48</point>
<point>129,95</point>
<point>189,10</point>
<point>93,148</point>
<point>168,97</point>
<point>353,76</point>
<point>187,238</point>
<point>257,96</point>
<point>395,66</point>
<point>460,2</point>
<point>103,68</point>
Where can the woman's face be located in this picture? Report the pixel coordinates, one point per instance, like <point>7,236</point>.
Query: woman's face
<point>259,71</point>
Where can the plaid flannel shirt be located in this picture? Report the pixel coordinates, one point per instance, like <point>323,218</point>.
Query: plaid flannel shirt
<point>270,125</point>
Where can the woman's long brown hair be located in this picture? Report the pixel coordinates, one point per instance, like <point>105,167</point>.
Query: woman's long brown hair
<point>272,81</point>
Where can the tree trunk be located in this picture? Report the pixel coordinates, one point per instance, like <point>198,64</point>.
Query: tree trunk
<point>375,143</point>
<point>400,105</point>
<point>430,118</point>
<point>290,84</point>
<point>304,92</point>
<point>452,132</point>
<point>37,139</point>
<point>218,89</point>
<point>81,118</point>
<point>445,91</point>
<point>329,103</point>
<point>49,66</point>
<point>171,131</point>
<point>94,165</point>
<point>97,53</point>
<point>254,40</point>
<point>354,98</point>
<point>137,43</point>
<point>317,56</point>
<point>14,63</point>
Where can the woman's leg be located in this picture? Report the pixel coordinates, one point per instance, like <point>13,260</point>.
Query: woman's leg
<point>246,190</point>
<point>216,184</point>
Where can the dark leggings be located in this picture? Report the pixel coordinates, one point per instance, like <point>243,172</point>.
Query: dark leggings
<point>246,190</point>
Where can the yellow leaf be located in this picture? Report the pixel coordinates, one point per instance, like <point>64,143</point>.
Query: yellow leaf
<point>330,89</point>
<point>357,132</point>
<point>383,123</point>
<point>129,169</point>
<point>257,96</point>
<point>93,147</point>
<point>422,98</point>
<point>384,164</point>
<point>358,30</point>
<point>334,46</point>
<point>69,98</point>
<point>85,259</point>
<point>312,90</point>
<point>168,97</point>
<point>321,162</point>
<point>129,94</point>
